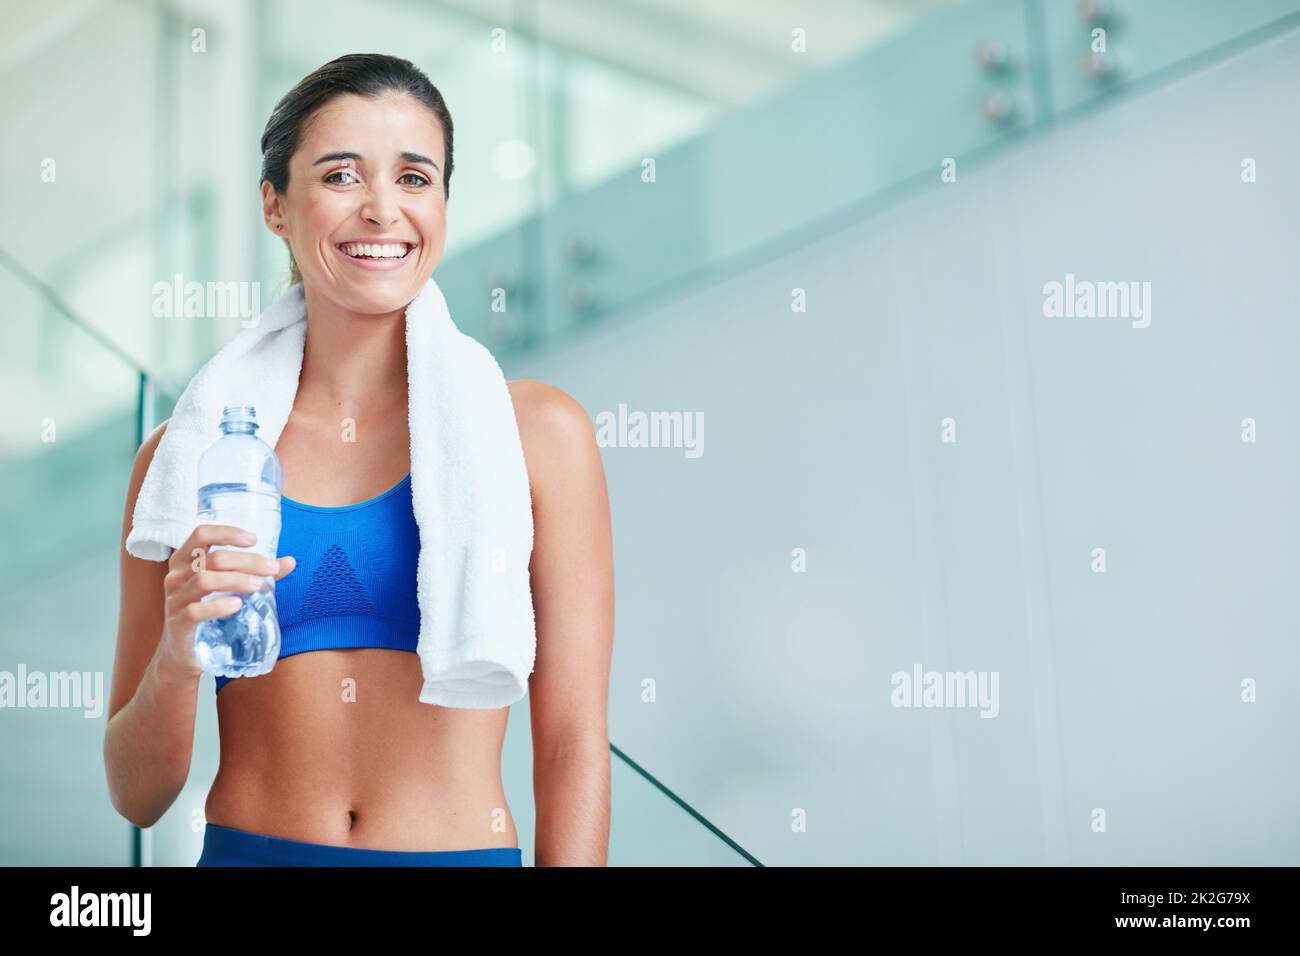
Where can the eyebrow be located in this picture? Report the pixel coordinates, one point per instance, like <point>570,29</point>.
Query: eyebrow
<point>406,157</point>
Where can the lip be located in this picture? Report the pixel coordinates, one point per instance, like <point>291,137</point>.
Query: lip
<point>378,265</point>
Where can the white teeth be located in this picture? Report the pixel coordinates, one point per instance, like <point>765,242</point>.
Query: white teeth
<point>373,251</point>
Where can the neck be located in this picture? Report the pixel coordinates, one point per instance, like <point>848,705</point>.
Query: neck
<point>353,363</point>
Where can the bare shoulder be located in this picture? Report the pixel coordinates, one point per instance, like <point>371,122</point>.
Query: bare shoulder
<point>543,405</point>
<point>554,429</point>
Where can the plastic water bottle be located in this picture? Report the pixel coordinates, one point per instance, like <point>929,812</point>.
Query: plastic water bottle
<point>239,485</point>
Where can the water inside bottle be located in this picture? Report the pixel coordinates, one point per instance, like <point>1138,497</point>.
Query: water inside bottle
<point>247,642</point>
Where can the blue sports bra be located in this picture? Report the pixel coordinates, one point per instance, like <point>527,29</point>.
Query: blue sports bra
<point>354,583</point>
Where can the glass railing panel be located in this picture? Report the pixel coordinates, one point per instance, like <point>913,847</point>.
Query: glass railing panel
<point>69,437</point>
<point>651,826</point>
<point>1102,48</point>
<point>631,81</point>
<point>823,144</point>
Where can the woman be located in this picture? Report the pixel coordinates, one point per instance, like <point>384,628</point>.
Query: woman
<point>359,156</point>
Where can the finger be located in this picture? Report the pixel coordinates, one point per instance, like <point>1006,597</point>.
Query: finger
<point>210,582</point>
<point>202,610</point>
<point>287,564</point>
<point>248,561</point>
<point>205,535</point>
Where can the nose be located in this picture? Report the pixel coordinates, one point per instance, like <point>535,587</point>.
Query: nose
<point>380,206</point>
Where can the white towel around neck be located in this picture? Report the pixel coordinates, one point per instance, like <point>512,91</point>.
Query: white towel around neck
<point>469,487</point>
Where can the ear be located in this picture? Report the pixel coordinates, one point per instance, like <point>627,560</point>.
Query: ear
<point>272,210</point>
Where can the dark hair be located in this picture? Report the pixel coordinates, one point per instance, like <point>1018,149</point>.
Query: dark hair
<point>365,74</point>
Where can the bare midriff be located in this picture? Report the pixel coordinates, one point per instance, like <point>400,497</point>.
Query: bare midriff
<point>334,747</point>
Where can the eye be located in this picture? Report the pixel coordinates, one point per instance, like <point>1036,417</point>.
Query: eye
<point>422,180</point>
<point>340,172</point>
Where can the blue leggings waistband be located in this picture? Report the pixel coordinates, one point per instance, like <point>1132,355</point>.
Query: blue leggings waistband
<point>226,846</point>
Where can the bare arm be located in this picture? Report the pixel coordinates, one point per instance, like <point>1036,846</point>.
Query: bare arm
<point>149,739</point>
<point>151,707</point>
<point>572,578</point>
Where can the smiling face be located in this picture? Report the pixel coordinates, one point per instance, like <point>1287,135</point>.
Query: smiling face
<point>365,211</point>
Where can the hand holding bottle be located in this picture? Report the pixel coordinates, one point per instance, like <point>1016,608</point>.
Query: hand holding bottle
<point>196,570</point>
